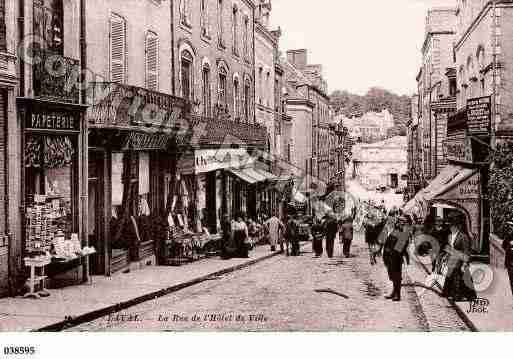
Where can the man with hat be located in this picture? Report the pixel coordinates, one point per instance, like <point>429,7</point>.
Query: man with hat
<point>347,235</point>
<point>331,229</point>
<point>394,250</point>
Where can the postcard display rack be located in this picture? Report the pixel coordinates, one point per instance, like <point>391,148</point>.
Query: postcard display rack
<point>49,241</point>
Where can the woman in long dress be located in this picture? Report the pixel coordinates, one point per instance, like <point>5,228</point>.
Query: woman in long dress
<point>240,237</point>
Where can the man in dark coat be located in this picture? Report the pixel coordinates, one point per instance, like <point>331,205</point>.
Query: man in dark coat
<point>394,250</point>
<point>331,229</point>
<point>347,235</point>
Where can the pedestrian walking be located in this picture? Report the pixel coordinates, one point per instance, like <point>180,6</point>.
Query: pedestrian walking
<point>458,285</point>
<point>331,230</point>
<point>317,233</point>
<point>507,244</point>
<point>395,251</point>
<point>292,234</point>
<point>346,235</point>
<point>274,228</point>
<point>240,237</point>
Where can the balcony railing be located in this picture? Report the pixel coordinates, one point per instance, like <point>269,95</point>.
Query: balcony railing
<point>119,105</point>
<point>55,77</point>
<point>226,132</point>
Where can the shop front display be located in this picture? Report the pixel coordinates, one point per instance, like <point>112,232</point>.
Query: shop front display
<point>135,154</point>
<point>52,153</point>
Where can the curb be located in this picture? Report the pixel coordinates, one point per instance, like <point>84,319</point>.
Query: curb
<point>71,322</point>
<point>457,309</point>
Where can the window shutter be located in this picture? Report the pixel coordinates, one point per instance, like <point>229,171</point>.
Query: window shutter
<point>117,49</point>
<point>3,42</point>
<point>152,62</point>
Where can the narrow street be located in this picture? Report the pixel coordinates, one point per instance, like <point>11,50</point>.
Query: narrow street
<point>282,294</point>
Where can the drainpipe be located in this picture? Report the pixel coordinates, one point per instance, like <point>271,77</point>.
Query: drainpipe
<point>172,24</point>
<point>83,50</point>
<point>21,34</point>
<point>10,242</point>
<point>84,139</point>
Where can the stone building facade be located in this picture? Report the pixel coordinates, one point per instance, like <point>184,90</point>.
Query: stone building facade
<point>484,65</point>
<point>314,136</point>
<point>10,238</point>
<point>266,56</point>
<point>435,87</point>
<point>214,56</point>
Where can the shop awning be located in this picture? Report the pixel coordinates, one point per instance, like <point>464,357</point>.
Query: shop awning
<point>450,177</point>
<point>251,175</point>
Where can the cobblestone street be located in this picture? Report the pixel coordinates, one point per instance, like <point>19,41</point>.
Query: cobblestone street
<point>288,294</point>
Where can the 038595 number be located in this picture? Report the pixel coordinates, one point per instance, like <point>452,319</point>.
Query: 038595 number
<point>19,350</point>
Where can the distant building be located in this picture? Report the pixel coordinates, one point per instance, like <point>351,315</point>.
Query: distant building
<point>311,137</point>
<point>381,164</point>
<point>370,127</point>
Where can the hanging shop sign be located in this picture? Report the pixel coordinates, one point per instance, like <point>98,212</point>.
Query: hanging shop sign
<point>457,150</point>
<point>215,159</point>
<point>479,115</point>
<point>140,141</point>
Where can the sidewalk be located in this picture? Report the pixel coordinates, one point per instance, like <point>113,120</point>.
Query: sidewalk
<point>107,294</point>
<point>499,315</point>
<point>500,310</point>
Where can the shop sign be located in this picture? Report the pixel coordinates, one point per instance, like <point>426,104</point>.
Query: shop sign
<point>479,115</point>
<point>458,150</point>
<point>42,119</point>
<point>140,141</point>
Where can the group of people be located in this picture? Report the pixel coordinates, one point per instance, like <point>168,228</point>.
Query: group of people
<point>447,242</point>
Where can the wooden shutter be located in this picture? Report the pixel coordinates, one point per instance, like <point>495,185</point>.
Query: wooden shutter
<point>117,49</point>
<point>3,42</point>
<point>152,61</point>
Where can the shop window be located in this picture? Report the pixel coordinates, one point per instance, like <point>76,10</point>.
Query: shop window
<point>186,74</point>
<point>118,53</point>
<point>206,90</point>
<point>152,61</point>
<point>51,169</point>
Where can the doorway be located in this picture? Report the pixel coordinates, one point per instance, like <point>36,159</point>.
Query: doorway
<point>394,180</point>
<point>96,207</point>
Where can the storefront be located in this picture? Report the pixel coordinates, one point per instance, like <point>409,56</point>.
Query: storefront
<point>132,167</point>
<point>462,184</point>
<point>53,142</point>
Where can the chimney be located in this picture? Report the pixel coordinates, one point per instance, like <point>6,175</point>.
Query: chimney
<point>298,58</point>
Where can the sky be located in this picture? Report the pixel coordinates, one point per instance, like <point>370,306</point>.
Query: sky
<point>361,43</point>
